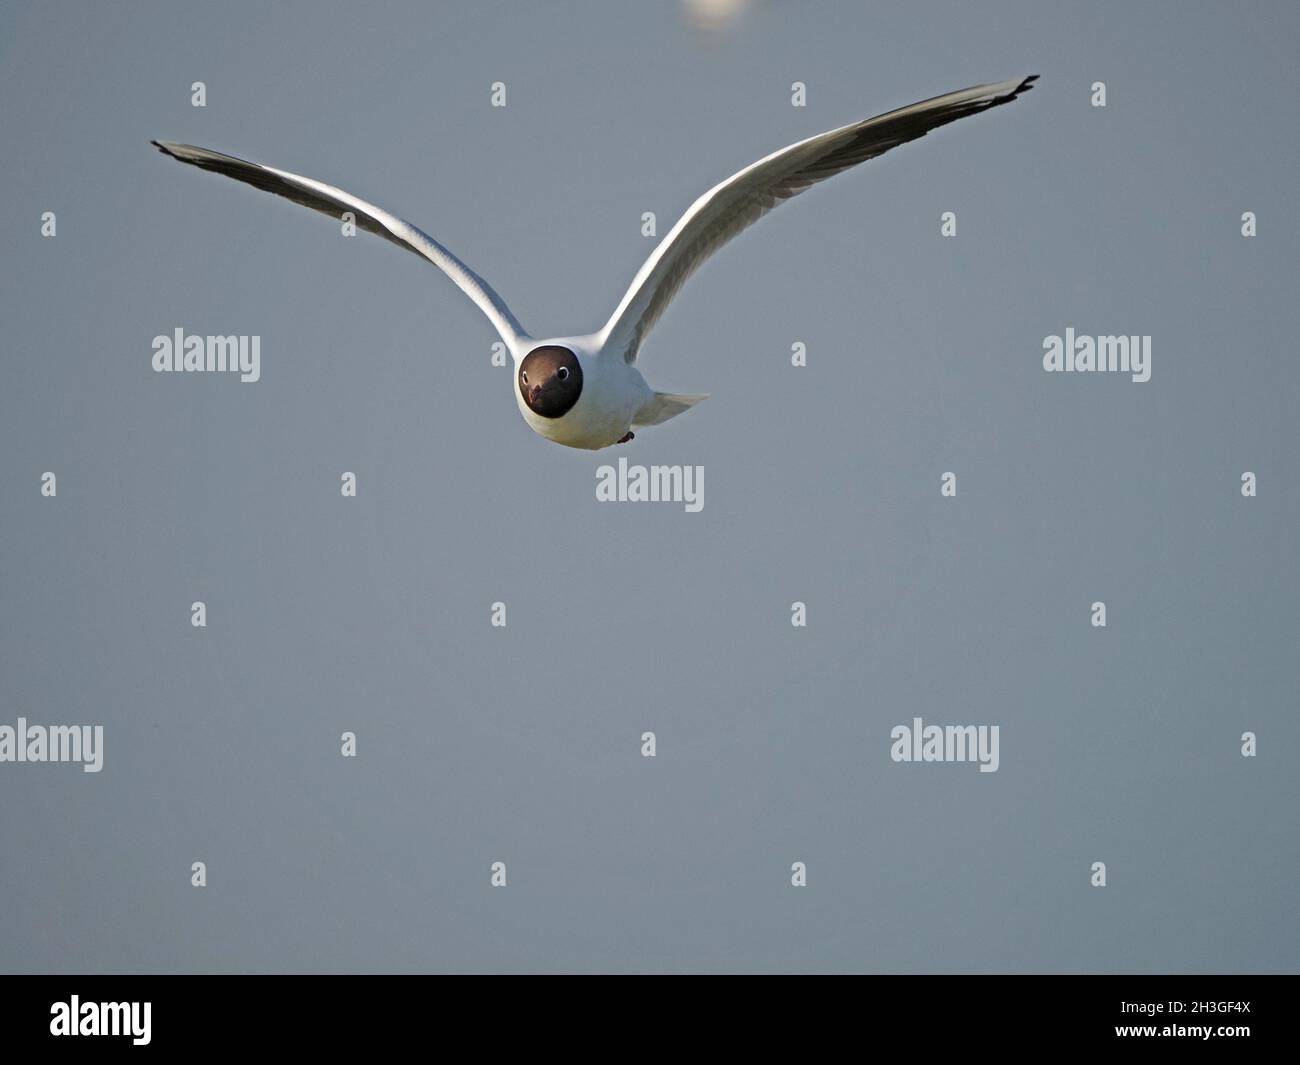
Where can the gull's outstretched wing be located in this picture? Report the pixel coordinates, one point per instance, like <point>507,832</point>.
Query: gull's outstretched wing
<point>744,198</point>
<point>329,200</point>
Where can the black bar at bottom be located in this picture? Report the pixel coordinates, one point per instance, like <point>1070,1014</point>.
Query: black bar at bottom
<point>339,1014</point>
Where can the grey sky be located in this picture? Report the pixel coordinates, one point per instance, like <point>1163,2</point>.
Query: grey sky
<point>1119,745</point>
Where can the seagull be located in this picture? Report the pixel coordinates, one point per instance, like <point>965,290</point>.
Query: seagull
<point>586,391</point>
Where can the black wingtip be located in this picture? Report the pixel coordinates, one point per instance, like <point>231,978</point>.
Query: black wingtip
<point>172,150</point>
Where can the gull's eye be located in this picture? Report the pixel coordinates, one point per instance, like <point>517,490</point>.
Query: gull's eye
<point>524,376</point>
<point>564,373</point>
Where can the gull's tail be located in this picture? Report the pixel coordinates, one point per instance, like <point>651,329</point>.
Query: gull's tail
<point>665,405</point>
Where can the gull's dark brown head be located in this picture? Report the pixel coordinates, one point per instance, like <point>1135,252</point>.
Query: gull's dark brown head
<point>550,381</point>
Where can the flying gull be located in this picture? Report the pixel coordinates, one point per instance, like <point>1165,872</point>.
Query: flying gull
<point>586,391</point>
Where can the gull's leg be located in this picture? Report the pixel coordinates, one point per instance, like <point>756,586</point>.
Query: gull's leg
<point>628,436</point>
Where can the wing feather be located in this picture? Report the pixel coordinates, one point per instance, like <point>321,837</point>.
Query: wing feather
<point>737,203</point>
<point>329,200</point>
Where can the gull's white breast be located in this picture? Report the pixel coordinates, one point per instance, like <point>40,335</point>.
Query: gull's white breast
<point>612,392</point>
